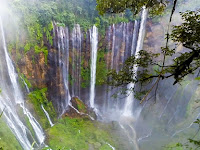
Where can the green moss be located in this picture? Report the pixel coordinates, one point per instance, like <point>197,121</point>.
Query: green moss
<point>24,79</point>
<point>101,72</point>
<point>77,134</point>
<point>47,31</point>
<point>176,146</point>
<point>71,80</point>
<point>81,106</point>
<point>85,74</point>
<point>10,47</point>
<point>38,98</point>
<point>6,136</point>
<point>41,49</point>
<point>27,47</point>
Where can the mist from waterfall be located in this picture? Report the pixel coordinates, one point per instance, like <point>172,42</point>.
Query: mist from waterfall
<point>10,100</point>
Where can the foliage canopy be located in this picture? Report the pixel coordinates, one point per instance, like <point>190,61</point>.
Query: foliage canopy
<point>113,6</point>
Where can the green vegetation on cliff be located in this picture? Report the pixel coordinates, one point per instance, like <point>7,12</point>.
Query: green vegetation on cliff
<point>80,105</point>
<point>38,98</point>
<point>24,79</point>
<point>85,73</point>
<point>101,73</point>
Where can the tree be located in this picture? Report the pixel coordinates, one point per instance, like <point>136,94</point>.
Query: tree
<point>186,34</point>
<point>186,63</point>
<point>113,6</point>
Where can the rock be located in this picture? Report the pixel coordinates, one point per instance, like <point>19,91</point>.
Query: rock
<point>33,67</point>
<point>79,105</point>
<point>79,110</point>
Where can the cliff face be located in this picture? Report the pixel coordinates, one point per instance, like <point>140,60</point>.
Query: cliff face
<point>56,91</point>
<point>68,60</point>
<point>33,66</point>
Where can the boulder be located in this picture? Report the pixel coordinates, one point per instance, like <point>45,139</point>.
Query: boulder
<point>78,109</point>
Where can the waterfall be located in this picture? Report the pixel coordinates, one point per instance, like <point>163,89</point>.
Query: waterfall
<point>47,115</point>
<point>36,126</point>
<point>119,45</point>
<point>144,137</point>
<point>120,39</point>
<point>27,89</point>
<point>128,108</point>
<point>110,146</point>
<point>63,48</point>
<point>128,104</point>
<point>126,125</point>
<point>113,47</point>
<point>9,100</point>
<point>111,29</point>
<point>76,59</point>
<point>94,46</point>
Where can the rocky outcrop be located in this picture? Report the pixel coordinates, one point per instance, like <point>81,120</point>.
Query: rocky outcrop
<point>33,66</point>
<point>77,109</point>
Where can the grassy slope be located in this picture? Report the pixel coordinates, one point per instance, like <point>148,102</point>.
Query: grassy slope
<point>78,134</point>
<point>7,138</point>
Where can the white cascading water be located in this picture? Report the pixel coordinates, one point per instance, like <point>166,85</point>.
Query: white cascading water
<point>36,126</point>
<point>46,113</point>
<point>63,48</point>
<point>113,48</point>
<point>128,108</point>
<point>124,42</point>
<point>48,117</point>
<point>11,99</point>
<point>110,146</point>
<point>66,66</point>
<point>94,47</point>
<point>26,86</point>
<point>119,44</point>
<point>76,59</point>
<point>112,65</point>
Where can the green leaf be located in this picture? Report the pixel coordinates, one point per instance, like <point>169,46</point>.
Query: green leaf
<point>197,78</point>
